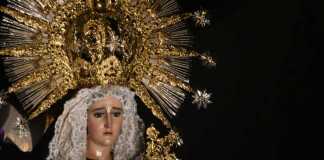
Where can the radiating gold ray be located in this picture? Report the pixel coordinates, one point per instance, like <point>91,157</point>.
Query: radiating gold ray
<point>169,98</point>
<point>18,67</point>
<point>167,21</point>
<point>173,51</point>
<point>23,51</point>
<point>25,19</point>
<point>30,79</point>
<point>33,8</point>
<point>60,89</point>
<point>165,8</point>
<point>142,93</point>
<point>174,67</point>
<point>158,75</point>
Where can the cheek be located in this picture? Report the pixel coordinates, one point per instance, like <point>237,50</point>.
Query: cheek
<point>93,126</point>
<point>117,127</point>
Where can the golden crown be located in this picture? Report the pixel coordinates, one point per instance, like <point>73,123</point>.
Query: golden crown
<point>49,47</point>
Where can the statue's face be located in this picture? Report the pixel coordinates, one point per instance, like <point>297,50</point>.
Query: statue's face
<point>105,120</point>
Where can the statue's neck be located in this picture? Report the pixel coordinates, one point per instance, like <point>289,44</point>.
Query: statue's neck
<point>98,152</point>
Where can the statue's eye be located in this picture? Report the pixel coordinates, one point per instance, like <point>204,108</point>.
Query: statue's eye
<point>116,113</point>
<point>99,114</point>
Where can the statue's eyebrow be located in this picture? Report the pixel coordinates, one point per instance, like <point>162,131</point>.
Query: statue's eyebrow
<point>98,109</point>
<point>117,108</point>
<point>104,108</point>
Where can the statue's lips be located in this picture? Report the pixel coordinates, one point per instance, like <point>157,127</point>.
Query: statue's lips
<point>106,133</point>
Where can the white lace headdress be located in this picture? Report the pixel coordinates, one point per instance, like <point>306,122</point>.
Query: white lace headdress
<point>70,137</point>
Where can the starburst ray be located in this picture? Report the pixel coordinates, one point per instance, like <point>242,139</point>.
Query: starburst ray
<point>14,34</point>
<point>32,95</point>
<point>178,35</point>
<point>170,98</point>
<point>17,68</point>
<point>34,8</point>
<point>166,7</point>
<point>175,65</point>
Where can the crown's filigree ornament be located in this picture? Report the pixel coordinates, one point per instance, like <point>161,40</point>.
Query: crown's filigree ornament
<point>154,149</point>
<point>49,47</point>
<point>201,98</point>
<point>201,19</point>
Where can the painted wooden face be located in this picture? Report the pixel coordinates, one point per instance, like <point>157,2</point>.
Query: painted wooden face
<point>105,118</point>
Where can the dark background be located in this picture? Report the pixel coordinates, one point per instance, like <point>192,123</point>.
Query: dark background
<point>266,81</point>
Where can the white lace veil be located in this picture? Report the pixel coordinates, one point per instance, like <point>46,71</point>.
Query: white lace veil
<point>70,137</point>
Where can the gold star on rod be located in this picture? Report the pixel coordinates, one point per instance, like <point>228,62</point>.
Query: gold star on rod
<point>202,99</point>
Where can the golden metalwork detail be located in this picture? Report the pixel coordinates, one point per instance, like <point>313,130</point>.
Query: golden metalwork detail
<point>82,43</point>
<point>161,147</point>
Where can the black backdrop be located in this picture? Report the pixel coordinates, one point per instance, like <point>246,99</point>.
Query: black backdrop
<point>268,67</point>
